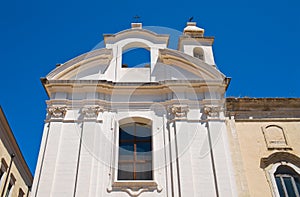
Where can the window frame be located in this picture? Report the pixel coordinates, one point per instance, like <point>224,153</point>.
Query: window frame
<point>292,178</point>
<point>131,186</point>
<point>135,160</point>
<point>271,170</point>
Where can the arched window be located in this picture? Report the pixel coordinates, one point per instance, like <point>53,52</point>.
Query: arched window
<point>287,181</point>
<point>198,53</point>
<point>135,151</point>
<point>136,57</point>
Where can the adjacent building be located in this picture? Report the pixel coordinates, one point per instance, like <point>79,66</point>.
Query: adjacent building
<point>162,127</point>
<point>15,176</point>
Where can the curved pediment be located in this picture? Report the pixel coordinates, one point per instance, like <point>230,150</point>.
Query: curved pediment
<point>171,65</point>
<point>165,64</point>
<point>84,66</point>
<point>186,66</point>
<point>137,34</point>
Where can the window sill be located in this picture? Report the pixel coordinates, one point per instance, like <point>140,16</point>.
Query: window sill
<point>134,187</point>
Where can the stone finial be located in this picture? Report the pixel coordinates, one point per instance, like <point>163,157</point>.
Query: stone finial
<point>91,111</point>
<point>57,111</point>
<point>179,111</point>
<point>212,110</point>
<point>192,30</point>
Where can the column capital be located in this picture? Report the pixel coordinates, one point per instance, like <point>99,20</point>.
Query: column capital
<point>212,110</point>
<point>91,111</point>
<point>58,111</point>
<point>179,111</point>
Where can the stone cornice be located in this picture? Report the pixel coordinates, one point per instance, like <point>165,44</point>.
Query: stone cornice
<point>103,86</point>
<point>263,108</point>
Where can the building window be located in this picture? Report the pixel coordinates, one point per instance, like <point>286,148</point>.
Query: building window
<point>21,193</point>
<point>10,187</point>
<point>1,174</point>
<point>2,171</point>
<point>287,181</point>
<point>135,152</point>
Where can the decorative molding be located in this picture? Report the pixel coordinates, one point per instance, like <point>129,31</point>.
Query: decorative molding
<point>212,110</point>
<point>179,111</point>
<point>134,188</point>
<point>57,111</point>
<point>275,137</point>
<point>92,111</point>
<point>278,157</point>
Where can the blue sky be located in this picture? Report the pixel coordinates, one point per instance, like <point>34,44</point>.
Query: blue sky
<point>256,43</point>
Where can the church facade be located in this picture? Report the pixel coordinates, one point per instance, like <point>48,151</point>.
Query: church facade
<point>163,128</point>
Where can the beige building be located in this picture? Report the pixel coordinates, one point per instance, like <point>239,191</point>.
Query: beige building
<point>15,176</point>
<point>264,136</point>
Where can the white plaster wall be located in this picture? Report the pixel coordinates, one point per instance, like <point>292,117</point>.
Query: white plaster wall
<point>196,176</point>
<point>222,158</point>
<point>46,180</point>
<point>185,146</point>
<point>66,163</point>
<point>40,161</point>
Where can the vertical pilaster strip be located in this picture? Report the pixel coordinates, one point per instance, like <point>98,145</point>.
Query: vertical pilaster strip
<point>177,112</point>
<point>177,159</point>
<point>212,160</point>
<point>42,160</point>
<point>212,111</point>
<point>78,160</point>
<point>167,169</point>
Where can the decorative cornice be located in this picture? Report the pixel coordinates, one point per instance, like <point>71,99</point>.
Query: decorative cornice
<point>92,111</point>
<point>57,111</point>
<point>212,110</point>
<point>179,111</point>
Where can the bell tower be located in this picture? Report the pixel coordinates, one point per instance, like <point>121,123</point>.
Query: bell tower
<point>194,43</point>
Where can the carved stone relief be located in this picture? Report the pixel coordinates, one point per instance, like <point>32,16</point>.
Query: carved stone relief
<point>179,111</point>
<point>212,110</point>
<point>57,111</point>
<point>92,111</point>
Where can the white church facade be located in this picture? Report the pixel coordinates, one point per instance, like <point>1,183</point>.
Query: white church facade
<point>160,129</point>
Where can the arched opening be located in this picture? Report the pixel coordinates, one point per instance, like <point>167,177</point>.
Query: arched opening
<point>136,58</point>
<point>198,53</point>
<point>287,181</point>
<point>136,55</point>
<point>135,150</point>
